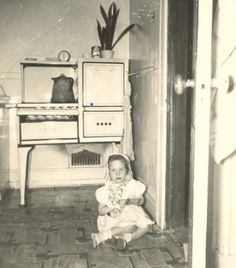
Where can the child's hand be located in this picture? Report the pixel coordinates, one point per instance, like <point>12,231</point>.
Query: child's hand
<point>122,203</point>
<point>115,212</point>
<point>136,201</point>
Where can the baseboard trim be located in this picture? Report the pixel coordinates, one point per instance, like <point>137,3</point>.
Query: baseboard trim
<point>150,204</point>
<point>4,190</point>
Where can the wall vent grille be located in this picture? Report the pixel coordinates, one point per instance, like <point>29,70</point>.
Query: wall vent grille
<point>85,158</point>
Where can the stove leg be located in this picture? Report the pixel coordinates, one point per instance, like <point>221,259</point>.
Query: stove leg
<point>22,160</point>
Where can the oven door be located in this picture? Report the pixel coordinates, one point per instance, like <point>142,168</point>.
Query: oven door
<point>103,124</point>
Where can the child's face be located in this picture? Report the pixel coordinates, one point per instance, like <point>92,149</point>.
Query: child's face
<point>117,171</point>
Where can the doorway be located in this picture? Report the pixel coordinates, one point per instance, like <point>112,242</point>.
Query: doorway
<point>180,25</point>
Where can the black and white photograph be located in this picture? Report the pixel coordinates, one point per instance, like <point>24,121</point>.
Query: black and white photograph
<point>117,134</point>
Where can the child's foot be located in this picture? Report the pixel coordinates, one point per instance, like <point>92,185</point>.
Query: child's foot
<point>154,228</point>
<point>101,237</point>
<point>96,239</point>
<point>118,242</point>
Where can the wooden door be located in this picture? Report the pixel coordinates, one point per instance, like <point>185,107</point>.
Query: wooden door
<point>200,125</point>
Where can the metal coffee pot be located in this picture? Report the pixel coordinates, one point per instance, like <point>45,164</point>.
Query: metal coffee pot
<point>62,91</point>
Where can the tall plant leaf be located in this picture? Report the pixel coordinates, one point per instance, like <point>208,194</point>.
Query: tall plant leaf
<point>113,19</point>
<point>126,30</point>
<point>104,15</point>
<point>109,24</point>
<point>110,11</point>
<point>99,29</point>
<point>114,24</point>
<point>106,38</point>
<point>106,34</point>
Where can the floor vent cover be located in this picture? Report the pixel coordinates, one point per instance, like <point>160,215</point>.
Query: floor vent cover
<point>85,158</point>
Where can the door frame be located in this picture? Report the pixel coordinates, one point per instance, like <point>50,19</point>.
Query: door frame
<point>162,117</point>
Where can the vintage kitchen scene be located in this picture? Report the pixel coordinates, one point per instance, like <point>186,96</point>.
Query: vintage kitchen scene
<point>81,81</point>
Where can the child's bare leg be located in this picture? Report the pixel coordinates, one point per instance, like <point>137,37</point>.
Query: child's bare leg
<point>120,230</point>
<point>102,236</point>
<point>127,234</point>
<point>133,231</point>
<point>138,233</point>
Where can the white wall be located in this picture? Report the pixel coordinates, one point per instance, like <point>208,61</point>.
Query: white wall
<point>147,98</point>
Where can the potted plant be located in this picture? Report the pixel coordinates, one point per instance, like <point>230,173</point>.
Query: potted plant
<point>106,33</point>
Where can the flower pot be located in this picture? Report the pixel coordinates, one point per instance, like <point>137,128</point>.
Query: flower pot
<point>108,54</point>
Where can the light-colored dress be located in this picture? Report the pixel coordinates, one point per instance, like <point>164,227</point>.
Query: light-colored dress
<point>130,215</point>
